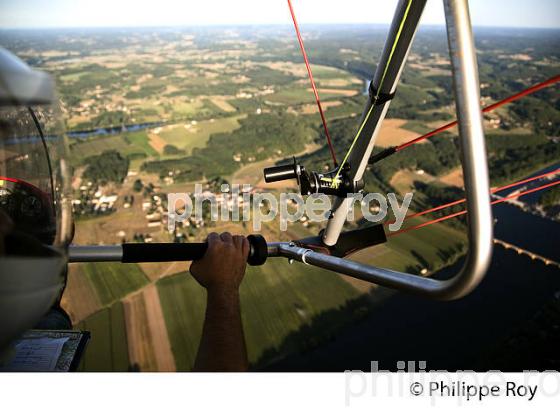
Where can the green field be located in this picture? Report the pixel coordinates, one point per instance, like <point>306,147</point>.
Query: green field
<point>276,300</point>
<point>81,149</point>
<point>112,281</point>
<point>321,72</point>
<point>197,135</point>
<point>182,301</point>
<point>107,350</point>
<point>186,108</point>
<point>300,94</point>
<point>430,244</point>
<point>73,76</point>
<point>139,139</point>
<point>417,126</point>
<point>291,96</point>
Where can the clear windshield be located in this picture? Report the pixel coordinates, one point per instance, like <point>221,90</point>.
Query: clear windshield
<point>33,187</point>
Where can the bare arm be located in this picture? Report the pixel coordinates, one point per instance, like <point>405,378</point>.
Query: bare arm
<point>220,271</point>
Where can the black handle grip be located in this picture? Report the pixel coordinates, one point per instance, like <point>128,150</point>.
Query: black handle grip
<point>280,173</point>
<point>170,252</point>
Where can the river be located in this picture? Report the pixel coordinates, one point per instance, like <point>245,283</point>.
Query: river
<point>112,130</point>
<point>456,334</point>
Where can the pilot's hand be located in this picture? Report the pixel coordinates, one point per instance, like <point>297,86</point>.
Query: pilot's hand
<point>223,266</point>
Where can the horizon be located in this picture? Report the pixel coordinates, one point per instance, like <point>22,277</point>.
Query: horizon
<point>264,25</point>
<point>177,13</point>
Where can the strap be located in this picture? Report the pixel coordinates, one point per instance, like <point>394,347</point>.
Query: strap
<point>379,98</point>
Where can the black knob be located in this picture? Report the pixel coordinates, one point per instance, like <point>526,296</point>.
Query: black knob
<point>280,173</point>
<point>259,250</point>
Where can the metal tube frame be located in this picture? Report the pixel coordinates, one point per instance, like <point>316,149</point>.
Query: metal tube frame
<point>473,160</point>
<point>95,253</point>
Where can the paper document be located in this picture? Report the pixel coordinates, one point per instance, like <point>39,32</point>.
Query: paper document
<point>36,355</point>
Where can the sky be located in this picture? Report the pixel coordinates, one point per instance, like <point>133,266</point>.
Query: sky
<point>139,13</point>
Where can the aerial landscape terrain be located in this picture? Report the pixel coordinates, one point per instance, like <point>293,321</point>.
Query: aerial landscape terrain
<point>155,111</point>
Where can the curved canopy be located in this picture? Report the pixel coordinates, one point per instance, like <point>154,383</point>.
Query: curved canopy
<point>21,85</point>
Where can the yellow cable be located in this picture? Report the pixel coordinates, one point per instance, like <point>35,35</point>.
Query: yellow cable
<point>336,182</point>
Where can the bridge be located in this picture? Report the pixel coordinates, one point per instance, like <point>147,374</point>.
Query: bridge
<point>513,201</point>
<point>530,254</point>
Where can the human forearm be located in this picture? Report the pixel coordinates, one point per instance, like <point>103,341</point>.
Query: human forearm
<point>222,346</point>
<point>220,271</point>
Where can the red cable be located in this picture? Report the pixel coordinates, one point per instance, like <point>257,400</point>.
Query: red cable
<point>497,201</point>
<point>492,191</point>
<point>310,74</point>
<point>491,107</point>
